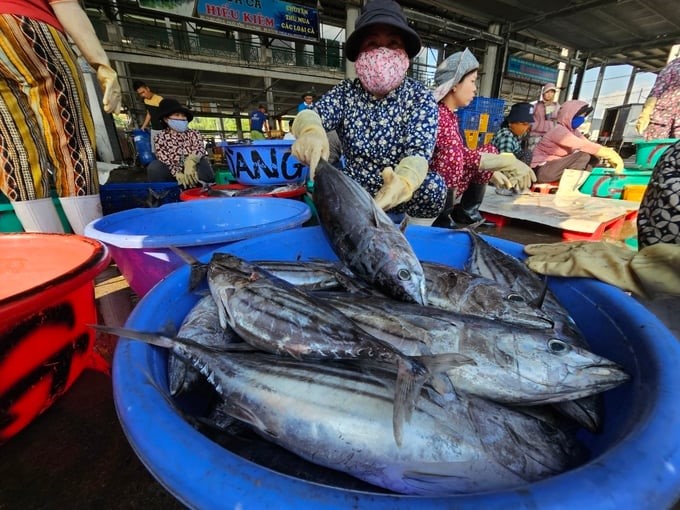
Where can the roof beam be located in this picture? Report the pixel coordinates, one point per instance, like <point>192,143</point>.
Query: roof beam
<point>564,11</point>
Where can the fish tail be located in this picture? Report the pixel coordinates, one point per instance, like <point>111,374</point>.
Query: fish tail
<point>411,376</point>
<point>199,270</point>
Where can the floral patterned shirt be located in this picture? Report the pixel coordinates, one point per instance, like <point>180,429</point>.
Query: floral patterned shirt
<point>172,147</point>
<point>458,165</point>
<point>379,132</point>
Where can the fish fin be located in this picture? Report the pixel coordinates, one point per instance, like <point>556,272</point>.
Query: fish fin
<point>538,301</point>
<point>403,224</point>
<point>161,340</point>
<point>441,363</point>
<point>435,479</point>
<point>442,384</point>
<point>199,270</point>
<point>411,376</point>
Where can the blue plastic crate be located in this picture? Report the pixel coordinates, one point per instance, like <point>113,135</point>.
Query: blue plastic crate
<point>129,195</point>
<point>468,119</point>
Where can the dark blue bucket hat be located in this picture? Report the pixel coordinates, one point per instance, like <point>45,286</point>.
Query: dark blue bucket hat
<point>521,112</point>
<point>381,12</point>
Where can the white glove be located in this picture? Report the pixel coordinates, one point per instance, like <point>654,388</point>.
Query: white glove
<point>519,173</point>
<point>311,142</point>
<point>499,180</point>
<point>79,28</point>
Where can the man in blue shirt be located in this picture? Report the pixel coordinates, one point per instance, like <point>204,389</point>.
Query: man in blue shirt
<point>259,123</point>
<point>307,102</point>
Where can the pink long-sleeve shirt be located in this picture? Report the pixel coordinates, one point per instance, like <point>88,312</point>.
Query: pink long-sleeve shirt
<point>458,165</point>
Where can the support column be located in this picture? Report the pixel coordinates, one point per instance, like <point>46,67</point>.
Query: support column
<point>598,85</point>
<point>579,79</point>
<point>353,13</point>
<point>489,69</point>
<point>106,140</point>
<point>563,76</point>
<point>631,84</point>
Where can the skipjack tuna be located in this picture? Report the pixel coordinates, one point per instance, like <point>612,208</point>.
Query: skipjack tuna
<point>274,316</point>
<point>490,262</point>
<point>364,238</point>
<point>511,364</point>
<point>450,446</point>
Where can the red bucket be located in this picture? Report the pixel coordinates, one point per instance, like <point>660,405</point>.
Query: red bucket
<point>198,193</point>
<point>46,304</point>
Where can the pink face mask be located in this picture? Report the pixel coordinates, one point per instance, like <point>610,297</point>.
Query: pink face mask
<point>381,70</point>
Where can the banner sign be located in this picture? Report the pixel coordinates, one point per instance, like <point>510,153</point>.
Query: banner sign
<point>274,17</point>
<point>530,71</point>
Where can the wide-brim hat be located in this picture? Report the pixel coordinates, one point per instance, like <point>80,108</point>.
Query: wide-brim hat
<point>452,70</point>
<point>169,106</point>
<point>381,12</point>
<point>521,112</point>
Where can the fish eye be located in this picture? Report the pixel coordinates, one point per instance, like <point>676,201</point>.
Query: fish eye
<point>404,274</point>
<point>516,298</point>
<point>557,346</point>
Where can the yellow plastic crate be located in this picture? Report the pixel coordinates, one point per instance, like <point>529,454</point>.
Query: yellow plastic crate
<point>483,121</point>
<point>488,137</point>
<point>471,138</point>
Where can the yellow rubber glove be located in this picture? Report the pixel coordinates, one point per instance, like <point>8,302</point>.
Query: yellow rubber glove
<point>499,180</point>
<point>612,156</point>
<point>108,81</point>
<point>311,142</point>
<point>191,169</point>
<point>652,272</point>
<point>519,173</point>
<point>182,179</point>
<point>79,28</point>
<point>400,184</point>
<point>645,115</point>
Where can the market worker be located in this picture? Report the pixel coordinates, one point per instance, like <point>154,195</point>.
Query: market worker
<point>180,151</point>
<point>652,275</point>
<point>545,114</point>
<point>660,116</point>
<point>47,136</point>
<point>387,122</point>
<point>307,102</point>
<point>466,172</point>
<point>515,127</point>
<point>565,155</point>
<point>151,101</point>
<point>259,123</point>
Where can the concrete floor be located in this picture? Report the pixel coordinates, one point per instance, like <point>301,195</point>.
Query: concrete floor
<point>75,455</point>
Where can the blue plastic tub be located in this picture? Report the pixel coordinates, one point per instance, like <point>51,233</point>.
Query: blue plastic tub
<point>139,239</point>
<point>634,460</point>
<point>264,162</point>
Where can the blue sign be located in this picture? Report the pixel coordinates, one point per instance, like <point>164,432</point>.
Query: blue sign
<point>530,71</point>
<point>272,17</point>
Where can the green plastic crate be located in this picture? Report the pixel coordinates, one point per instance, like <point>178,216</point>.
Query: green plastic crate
<point>603,183</point>
<point>223,176</point>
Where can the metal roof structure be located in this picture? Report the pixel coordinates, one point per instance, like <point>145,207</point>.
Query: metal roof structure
<point>635,32</point>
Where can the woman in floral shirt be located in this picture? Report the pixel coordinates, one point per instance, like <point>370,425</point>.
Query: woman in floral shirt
<point>467,171</point>
<point>386,121</point>
<point>180,151</point>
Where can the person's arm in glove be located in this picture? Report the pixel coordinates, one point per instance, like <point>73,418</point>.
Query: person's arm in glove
<point>311,142</point>
<point>515,170</point>
<point>645,115</point>
<point>654,271</point>
<point>499,180</point>
<point>79,28</point>
<point>400,183</point>
<point>612,156</point>
<point>189,176</point>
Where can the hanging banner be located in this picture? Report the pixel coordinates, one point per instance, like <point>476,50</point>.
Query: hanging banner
<point>527,70</point>
<point>275,17</point>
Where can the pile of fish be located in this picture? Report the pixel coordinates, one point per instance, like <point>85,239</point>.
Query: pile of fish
<point>417,378</point>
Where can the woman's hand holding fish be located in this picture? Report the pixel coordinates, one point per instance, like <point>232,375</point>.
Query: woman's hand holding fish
<point>311,142</point>
<point>399,184</point>
<point>651,272</point>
